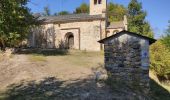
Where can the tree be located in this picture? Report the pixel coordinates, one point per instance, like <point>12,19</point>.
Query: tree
<point>63,13</point>
<point>15,20</point>
<point>136,19</point>
<point>84,8</point>
<point>166,37</point>
<point>116,12</point>
<point>46,11</point>
<point>160,60</point>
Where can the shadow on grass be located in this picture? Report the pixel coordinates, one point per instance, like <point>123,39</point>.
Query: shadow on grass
<point>44,52</point>
<point>83,89</point>
<point>158,92</point>
<point>54,89</point>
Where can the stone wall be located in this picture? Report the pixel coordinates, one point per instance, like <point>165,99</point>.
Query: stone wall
<point>125,64</point>
<point>86,34</point>
<point>42,36</point>
<point>96,9</point>
<point>110,31</point>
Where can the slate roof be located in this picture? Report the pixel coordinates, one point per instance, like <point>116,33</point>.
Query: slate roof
<point>151,40</point>
<point>114,25</point>
<point>70,17</point>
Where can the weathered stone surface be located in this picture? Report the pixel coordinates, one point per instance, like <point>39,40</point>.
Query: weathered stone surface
<point>124,63</point>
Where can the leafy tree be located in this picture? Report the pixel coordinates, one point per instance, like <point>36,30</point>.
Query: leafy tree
<point>46,11</point>
<point>116,12</point>
<point>15,20</point>
<point>63,13</point>
<point>84,8</point>
<point>166,37</point>
<point>160,60</point>
<point>136,19</point>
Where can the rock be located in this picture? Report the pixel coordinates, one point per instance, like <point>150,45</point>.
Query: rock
<point>85,96</point>
<point>9,51</point>
<point>50,93</point>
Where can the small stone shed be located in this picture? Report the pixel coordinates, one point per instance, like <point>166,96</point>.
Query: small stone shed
<point>127,58</point>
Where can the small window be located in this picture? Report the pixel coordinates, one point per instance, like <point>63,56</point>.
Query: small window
<point>99,1</point>
<point>95,2</point>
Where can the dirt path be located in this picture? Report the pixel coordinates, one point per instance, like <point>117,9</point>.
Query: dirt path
<point>20,68</point>
<point>58,78</point>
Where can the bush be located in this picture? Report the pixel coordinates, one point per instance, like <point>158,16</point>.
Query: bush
<point>160,60</point>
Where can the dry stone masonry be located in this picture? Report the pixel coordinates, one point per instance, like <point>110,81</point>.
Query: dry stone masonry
<point>127,60</point>
<point>124,63</point>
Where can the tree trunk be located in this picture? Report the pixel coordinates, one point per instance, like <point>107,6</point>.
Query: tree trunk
<point>2,44</point>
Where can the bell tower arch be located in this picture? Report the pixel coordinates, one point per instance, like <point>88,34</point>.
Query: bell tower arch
<point>98,7</point>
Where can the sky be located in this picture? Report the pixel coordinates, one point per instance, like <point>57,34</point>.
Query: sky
<point>158,11</point>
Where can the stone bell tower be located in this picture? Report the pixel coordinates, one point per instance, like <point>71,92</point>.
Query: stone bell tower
<point>98,7</point>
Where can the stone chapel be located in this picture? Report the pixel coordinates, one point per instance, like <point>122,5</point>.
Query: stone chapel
<point>76,31</point>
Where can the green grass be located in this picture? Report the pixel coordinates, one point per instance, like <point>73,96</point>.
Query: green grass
<point>37,58</point>
<point>159,90</point>
<point>73,57</point>
<point>83,58</point>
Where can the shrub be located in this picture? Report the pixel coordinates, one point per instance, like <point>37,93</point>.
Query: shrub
<point>160,60</point>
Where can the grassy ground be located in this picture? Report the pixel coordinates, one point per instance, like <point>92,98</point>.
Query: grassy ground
<point>159,90</point>
<point>35,58</point>
<point>81,58</point>
<point>72,71</point>
<point>0,55</point>
<point>165,85</point>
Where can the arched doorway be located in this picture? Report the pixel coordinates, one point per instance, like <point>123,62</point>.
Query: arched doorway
<point>69,40</point>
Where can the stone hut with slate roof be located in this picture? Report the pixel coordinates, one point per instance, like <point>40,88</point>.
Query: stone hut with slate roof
<point>127,60</point>
<point>76,31</point>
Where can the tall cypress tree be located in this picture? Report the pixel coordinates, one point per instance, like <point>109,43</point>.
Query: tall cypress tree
<point>136,19</point>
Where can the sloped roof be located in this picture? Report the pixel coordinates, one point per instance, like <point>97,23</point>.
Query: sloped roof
<point>119,24</point>
<point>151,40</point>
<point>70,17</point>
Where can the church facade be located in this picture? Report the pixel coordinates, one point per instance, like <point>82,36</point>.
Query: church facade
<point>76,31</point>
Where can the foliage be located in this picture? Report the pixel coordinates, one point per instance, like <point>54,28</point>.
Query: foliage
<point>15,20</point>
<point>63,13</point>
<point>46,11</point>
<point>166,37</point>
<point>116,12</point>
<point>160,60</point>
<point>136,19</point>
<point>136,16</point>
<point>84,8</point>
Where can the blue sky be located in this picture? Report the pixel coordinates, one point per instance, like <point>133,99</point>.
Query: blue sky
<point>158,10</point>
